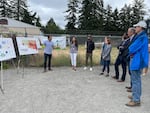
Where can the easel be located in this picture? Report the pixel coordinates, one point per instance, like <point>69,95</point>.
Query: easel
<point>18,66</point>
<point>1,77</point>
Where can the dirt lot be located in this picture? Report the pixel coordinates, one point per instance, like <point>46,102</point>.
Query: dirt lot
<point>66,91</point>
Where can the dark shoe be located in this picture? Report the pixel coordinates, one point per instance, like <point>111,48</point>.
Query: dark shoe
<point>133,104</point>
<point>120,81</point>
<point>107,75</point>
<point>114,77</point>
<point>128,87</point>
<point>129,90</point>
<point>101,73</point>
<point>74,69</point>
<point>50,69</point>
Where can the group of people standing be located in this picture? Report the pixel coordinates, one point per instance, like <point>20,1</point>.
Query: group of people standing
<point>133,53</point>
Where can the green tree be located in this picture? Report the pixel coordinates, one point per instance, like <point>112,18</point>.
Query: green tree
<point>91,15</point>
<point>51,27</point>
<point>138,11</point>
<point>116,20</point>
<point>125,17</point>
<point>38,21</point>
<point>27,17</point>
<point>72,12</point>
<point>19,7</point>
<point>6,8</point>
<point>108,19</point>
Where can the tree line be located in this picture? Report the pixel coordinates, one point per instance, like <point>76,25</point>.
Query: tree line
<point>92,15</point>
<point>82,16</point>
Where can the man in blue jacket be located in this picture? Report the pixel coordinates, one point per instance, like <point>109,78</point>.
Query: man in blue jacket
<point>138,52</point>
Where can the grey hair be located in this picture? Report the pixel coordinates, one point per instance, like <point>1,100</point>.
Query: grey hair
<point>132,29</point>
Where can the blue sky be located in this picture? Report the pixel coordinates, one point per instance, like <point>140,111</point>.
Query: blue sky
<point>56,8</point>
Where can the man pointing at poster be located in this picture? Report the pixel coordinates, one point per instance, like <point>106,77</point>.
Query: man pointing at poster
<point>48,53</point>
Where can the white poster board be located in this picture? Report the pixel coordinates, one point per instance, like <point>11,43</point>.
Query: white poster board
<point>27,45</point>
<point>7,50</point>
<point>59,41</point>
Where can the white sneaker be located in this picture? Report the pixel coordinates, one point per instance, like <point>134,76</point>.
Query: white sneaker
<point>143,74</point>
<point>91,69</point>
<point>85,68</point>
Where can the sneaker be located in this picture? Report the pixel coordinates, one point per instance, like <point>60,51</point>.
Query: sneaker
<point>91,69</point>
<point>143,74</point>
<point>85,68</point>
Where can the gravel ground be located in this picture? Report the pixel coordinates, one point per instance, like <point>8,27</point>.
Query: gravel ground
<point>66,91</point>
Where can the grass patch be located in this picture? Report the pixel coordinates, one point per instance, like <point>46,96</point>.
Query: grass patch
<point>61,57</point>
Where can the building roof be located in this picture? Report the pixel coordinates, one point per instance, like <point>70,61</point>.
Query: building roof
<point>18,26</point>
<point>15,23</point>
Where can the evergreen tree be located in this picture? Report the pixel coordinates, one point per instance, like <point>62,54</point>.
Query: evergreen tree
<point>29,18</point>
<point>38,23</point>
<point>108,19</point>
<point>51,27</point>
<point>116,20</point>
<point>125,17</point>
<point>13,8</point>
<point>72,12</point>
<point>5,8</point>
<point>91,15</point>
<point>138,11</point>
<point>19,7</point>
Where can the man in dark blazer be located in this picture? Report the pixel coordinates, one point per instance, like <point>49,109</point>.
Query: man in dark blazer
<point>121,60</point>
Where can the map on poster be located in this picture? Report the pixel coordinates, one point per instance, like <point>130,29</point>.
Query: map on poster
<point>7,50</point>
<point>27,45</point>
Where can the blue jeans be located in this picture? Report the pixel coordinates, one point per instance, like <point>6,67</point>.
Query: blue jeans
<point>106,65</point>
<point>136,85</point>
<point>49,56</point>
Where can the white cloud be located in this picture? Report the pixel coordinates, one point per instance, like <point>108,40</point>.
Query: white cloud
<point>46,10</point>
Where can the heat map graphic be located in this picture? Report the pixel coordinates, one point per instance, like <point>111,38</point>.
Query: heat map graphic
<point>27,46</point>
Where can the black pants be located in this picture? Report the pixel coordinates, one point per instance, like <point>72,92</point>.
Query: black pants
<point>49,56</point>
<point>123,63</point>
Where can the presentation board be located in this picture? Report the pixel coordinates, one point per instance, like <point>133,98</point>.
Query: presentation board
<point>59,42</point>
<point>7,50</point>
<point>27,45</point>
